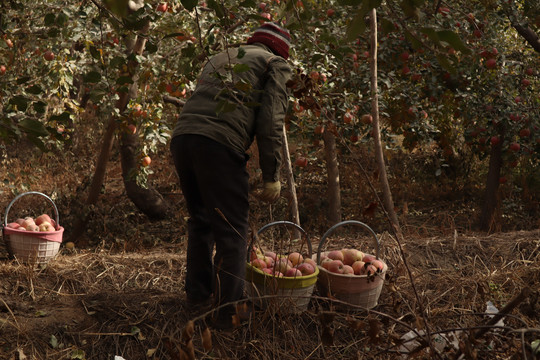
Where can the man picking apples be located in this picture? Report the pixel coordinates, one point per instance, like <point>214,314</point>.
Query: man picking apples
<point>241,95</point>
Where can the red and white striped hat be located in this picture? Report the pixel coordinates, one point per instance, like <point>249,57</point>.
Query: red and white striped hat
<point>274,36</point>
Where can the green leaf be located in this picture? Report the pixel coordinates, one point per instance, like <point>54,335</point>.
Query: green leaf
<point>23,80</point>
<point>96,54</point>
<point>445,63</point>
<point>122,80</point>
<point>64,117</point>
<point>61,19</point>
<point>34,127</point>
<point>212,4</point>
<point>151,47</point>
<point>431,34</point>
<point>49,19</point>
<point>415,43</point>
<point>454,40</point>
<point>243,86</point>
<point>189,4</point>
<point>20,101</point>
<point>34,89</point>
<point>241,53</point>
<point>240,68</point>
<point>78,354</point>
<point>356,26</point>
<point>40,107</point>
<point>92,77</point>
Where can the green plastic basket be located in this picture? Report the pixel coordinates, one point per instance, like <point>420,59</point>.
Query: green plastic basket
<point>283,294</point>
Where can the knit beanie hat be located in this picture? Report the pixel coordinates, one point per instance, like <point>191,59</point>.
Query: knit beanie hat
<point>274,36</point>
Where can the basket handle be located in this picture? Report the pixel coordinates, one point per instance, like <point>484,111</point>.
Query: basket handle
<point>288,223</point>
<point>347,222</point>
<point>30,193</point>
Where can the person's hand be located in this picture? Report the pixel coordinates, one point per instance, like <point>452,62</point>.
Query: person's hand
<point>270,191</point>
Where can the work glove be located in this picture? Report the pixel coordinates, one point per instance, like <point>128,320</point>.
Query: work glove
<point>270,191</point>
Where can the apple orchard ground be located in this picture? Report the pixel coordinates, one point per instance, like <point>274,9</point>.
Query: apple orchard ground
<point>120,291</point>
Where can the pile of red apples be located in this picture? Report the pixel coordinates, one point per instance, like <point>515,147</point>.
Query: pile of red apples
<point>42,223</point>
<point>293,265</point>
<point>351,262</point>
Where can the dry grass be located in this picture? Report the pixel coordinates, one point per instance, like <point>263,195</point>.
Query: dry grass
<point>101,303</point>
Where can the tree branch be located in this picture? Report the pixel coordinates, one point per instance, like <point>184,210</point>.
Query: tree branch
<point>528,34</point>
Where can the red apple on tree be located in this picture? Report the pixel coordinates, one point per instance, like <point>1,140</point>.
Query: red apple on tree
<point>348,117</point>
<point>367,119</point>
<point>301,162</point>
<point>162,7</point>
<point>146,161</point>
<point>525,132</point>
<point>2,69</point>
<point>514,147</point>
<point>491,63</point>
<point>495,140</point>
<point>48,55</point>
<point>330,12</point>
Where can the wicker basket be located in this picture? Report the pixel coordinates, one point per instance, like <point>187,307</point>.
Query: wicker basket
<point>32,246</point>
<point>280,294</point>
<point>362,291</point>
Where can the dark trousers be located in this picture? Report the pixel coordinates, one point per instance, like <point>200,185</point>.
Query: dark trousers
<point>215,182</point>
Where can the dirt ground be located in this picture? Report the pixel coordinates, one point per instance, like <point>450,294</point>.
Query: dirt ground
<point>120,293</point>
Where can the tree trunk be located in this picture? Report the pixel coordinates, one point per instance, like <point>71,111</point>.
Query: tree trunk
<point>334,197</point>
<point>387,194</point>
<point>147,200</point>
<point>487,216</point>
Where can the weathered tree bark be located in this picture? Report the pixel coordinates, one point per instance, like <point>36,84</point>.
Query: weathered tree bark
<point>487,216</point>
<point>387,194</point>
<point>332,169</point>
<point>293,200</point>
<point>528,34</point>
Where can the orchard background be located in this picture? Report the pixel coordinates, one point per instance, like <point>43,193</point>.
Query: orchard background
<point>90,90</point>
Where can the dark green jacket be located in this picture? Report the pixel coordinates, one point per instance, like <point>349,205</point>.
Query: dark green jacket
<point>256,97</point>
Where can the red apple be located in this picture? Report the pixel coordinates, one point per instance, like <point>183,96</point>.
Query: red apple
<point>314,75</point>
<point>132,129</point>
<point>405,56</point>
<point>48,55</point>
<point>310,262</point>
<point>495,140</point>
<point>524,132</point>
<point>301,162</point>
<point>367,119</point>
<point>491,63</point>
<point>336,266</point>
<point>146,161</point>
<point>13,225</point>
<point>162,7</point>
<point>368,258</point>
<point>2,69</point>
<point>502,180</point>
<point>405,70</point>
<point>43,218</point>
<point>268,271</point>
<point>306,269</point>
<point>525,82</point>
<point>326,262</point>
<point>514,147</point>
<point>335,255</point>
<point>270,254</point>
<point>358,267</point>
<point>369,269</point>
<point>330,12</point>
<point>295,258</point>
<point>293,272</point>
<point>348,117</point>
<point>349,256</point>
<point>269,261</point>
<point>258,263</point>
<point>378,264</point>
<point>348,270</point>
<point>282,265</point>
<point>529,71</point>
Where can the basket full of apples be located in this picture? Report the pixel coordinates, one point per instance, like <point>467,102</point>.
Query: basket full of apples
<point>32,239</point>
<point>349,274</point>
<point>282,278</point>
